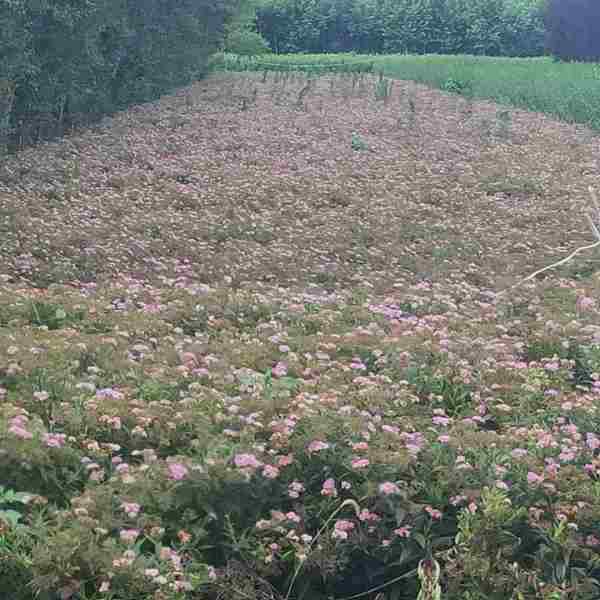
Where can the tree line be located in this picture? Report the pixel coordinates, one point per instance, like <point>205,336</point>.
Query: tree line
<point>480,27</point>
<point>566,29</point>
<point>66,62</point>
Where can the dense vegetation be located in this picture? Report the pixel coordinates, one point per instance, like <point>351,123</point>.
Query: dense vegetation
<point>252,347</point>
<point>489,27</point>
<point>66,62</point>
<point>268,338</point>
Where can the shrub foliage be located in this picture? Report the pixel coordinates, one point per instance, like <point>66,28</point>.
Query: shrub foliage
<point>66,62</point>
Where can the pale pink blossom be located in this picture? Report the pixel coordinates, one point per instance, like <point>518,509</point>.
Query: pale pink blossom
<point>585,303</point>
<point>344,525</point>
<point>184,536</point>
<point>280,370</point>
<point>131,509</point>
<point>387,488</point>
<point>20,432</point>
<point>270,472</point>
<point>341,529</point>
<point>317,446</point>
<point>286,460</point>
<point>292,516</point>
<point>367,516</point>
<point>129,535</point>
<point>245,461</point>
<point>435,514</point>
<point>97,475</point>
<point>457,500</point>
<point>592,441</point>
<point>390,429</point>
<point>533,478</point>
<point>177,471</point>
<point>518,452</point>
<point>359,446</point>
<point>295,489</point>
<point>263,524</point>
<point>19,420</point>
<point>329,488</point>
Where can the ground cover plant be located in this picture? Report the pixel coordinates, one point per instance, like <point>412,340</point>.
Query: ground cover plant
<point>252,346</point>
<point>569,91</point>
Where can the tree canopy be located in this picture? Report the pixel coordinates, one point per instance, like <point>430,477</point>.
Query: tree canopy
<point>491,27</point>
<point>66,61</point>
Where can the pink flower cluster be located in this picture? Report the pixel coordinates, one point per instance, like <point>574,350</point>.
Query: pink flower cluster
<point>177,471</point>
<point>341,529</point>
<point>317,446</point>
<point>246,461</point>
<point>17,427</point>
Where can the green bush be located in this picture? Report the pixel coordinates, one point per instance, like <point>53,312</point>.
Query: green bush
<point>245,42</point>
<point>64,63</point>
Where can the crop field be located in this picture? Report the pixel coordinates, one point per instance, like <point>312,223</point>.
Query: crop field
<point>254,345</point>
<point>568,91</point>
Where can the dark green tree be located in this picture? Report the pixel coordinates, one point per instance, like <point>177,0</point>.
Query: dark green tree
<point>492,27</point>
<point>67,62</point>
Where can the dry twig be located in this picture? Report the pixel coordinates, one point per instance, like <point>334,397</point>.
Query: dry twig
<point>593,216</point>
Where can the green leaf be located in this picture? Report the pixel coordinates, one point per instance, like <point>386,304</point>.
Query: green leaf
<point>21,497</point>
<point>289,383</point>
<point>400,514</point>
<point>420,539</point>
<point>11,517</point>
<point>405,556</point>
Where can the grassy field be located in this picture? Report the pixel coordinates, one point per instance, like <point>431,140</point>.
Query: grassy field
<point>252,346</point>
<point>569,91</point>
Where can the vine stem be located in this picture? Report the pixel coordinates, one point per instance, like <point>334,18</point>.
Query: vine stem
<point>348,502</point>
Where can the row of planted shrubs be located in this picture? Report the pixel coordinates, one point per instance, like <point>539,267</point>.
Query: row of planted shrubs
<point>65,63</point>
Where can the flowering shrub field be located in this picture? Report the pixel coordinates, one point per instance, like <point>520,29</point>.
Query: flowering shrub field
<point>567,90</point>
<point>243,355</point>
